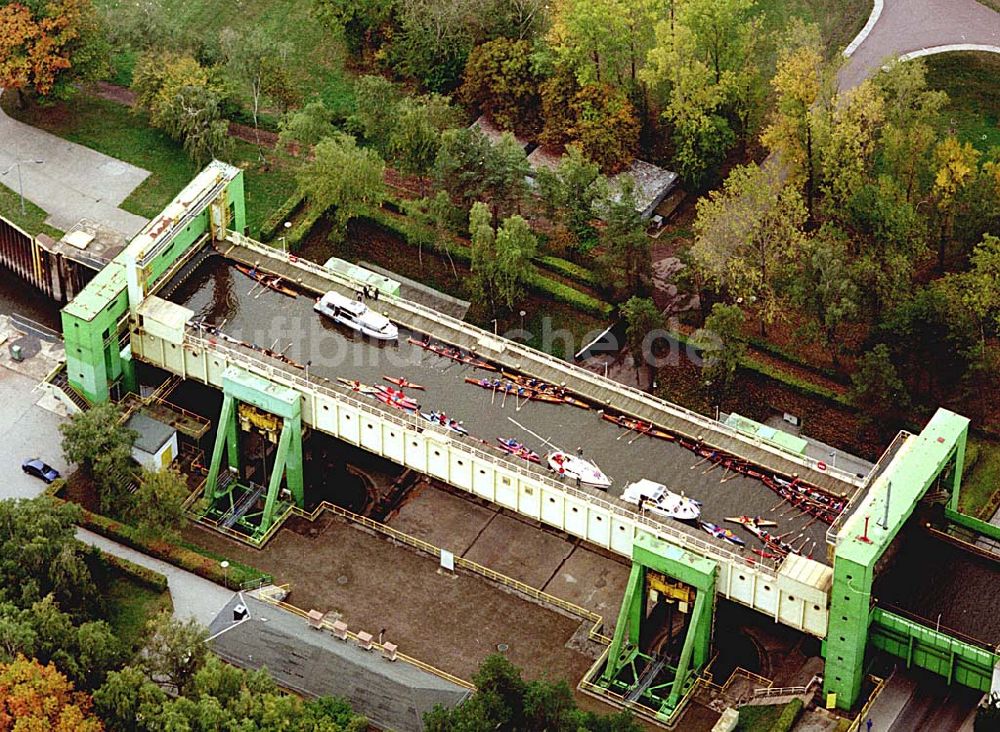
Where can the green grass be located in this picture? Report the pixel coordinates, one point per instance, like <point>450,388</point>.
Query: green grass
<point>33,219</point>
<point>759,719</point>
<point>981,482</point>
<point>111,128</point>
<point>838,20</point>
<point>971,82</point>
<point>315,54</point>
<point>130,605</point>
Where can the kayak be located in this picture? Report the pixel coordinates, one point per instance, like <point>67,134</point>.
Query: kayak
<point>401,382</point>
<point>512,447</point>
<point>451,424</point>
<point>577,468</point>
<point>720,532</point>
<point>355,385</point>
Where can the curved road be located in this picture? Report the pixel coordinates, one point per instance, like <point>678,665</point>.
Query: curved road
<point>905,27</point>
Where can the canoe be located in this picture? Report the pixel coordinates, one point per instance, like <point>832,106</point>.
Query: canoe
<point>637,425</point>
<point>549,390</point>
<point>506,387</point>
<point>407,405</point>
<point>402,383</point>
<point>454,354</point>
<point>274,282</point>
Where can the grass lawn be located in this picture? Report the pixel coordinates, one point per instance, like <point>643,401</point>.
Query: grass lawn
<point>130,605</point>
<point>838,20</point>
<point>759,719</point>
<point>33,219</point>
<point>981,482</point>
<point>971,81</point>
<point>111,128</point>
<point>315,54</point>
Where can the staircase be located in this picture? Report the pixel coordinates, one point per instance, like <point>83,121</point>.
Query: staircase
<point>60,380</point>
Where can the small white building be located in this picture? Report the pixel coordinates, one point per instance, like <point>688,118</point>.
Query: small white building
<point>155,447</point>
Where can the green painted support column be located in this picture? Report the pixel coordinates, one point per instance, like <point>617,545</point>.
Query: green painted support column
<point>629,621</point>
<point>225,441</point>
<point>277,473</point>
<point>293,463</point>
<point>694,645</point>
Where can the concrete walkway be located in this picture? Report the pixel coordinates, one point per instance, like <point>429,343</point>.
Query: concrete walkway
<point>193,596</point>
<point>72,182</point>
<point>909,27</point>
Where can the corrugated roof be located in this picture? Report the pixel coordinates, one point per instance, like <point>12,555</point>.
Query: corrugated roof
<point>393,695</point>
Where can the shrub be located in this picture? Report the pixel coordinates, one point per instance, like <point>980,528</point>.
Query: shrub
<point>569,295</point>
<point>269,229</point>
<point>789,716</point>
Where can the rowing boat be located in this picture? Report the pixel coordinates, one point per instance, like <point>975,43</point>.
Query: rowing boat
<point>506,387</point>
<point>402,383</point>
<point>274,282</point>
<point>453,353</point>
<point>774,544</point>
<point>637,425</point>
<point>543,387</point>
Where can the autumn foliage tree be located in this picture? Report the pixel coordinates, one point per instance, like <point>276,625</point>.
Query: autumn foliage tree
<point>37,697</point>
<point>44,45</point>
<point>500,80</point>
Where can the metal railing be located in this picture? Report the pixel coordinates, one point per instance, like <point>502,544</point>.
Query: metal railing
<point>873,475</point>
<point>863,714</point>
<point>505,345</point>
<point>328,625</point>
<point>283,374</point>
<point>596,620</point>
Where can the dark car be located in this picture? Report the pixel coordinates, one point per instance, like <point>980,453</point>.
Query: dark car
<point>37,468</point>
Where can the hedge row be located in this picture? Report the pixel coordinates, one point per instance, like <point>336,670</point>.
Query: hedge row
<point>269,229</point>
<point>142,575</point>
<point>569,295</point>
<point>789,716</point>
<point>538,282</point>
<point>795,383</point>
<point>302,227</point>
<point>178,556</point>
<point>569,270</point>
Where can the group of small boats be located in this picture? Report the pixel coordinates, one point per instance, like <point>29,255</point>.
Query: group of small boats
<point>775,546</point>
<point>637,425</point>
<point>510,387</point>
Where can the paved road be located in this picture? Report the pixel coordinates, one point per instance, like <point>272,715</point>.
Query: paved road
<point>72,181</point>
<point>918,700</point>
<point>193,596</point>
<point>907,26</point>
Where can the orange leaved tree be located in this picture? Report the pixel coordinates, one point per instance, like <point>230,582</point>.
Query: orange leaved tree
<point>33,696</point>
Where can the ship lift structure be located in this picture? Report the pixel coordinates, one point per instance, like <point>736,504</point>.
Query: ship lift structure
<point>663,638</point>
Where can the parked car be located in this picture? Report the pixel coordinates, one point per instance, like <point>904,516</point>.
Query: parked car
<point>39,469</point>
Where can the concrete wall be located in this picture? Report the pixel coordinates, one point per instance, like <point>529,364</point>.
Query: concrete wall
<point>598,520</point>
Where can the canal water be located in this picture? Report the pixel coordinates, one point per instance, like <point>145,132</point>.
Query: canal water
<point>16,296</point>
<point>221,295</point>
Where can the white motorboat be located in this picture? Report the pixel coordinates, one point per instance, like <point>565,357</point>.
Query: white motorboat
<point>656,498</point>
<point>577,468</point>
<point>356,316</point>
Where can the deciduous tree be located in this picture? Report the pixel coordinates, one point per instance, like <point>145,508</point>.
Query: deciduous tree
<point>876,388</point>
<point>642,317</point>
<point>722,346</point>
<point>157,510</point>
<point>605,127</point>
<point>101,445</point>
<point>847,148</point>
<point>956,166</point>
<point>344,179</point>
<point>306,126</point>
<point>376,110</point>
<point>747,233</point>
<point>175,651</point>
<point>37,697</point>
<point>44,47</point>
<point>625,242</point>
<point>501,81</point>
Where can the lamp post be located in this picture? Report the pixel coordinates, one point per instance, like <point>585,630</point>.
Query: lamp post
<point>225,572</point>
<point>284,239</point>
<point>20,184</point>
<point>522,320</point>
